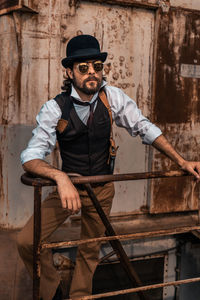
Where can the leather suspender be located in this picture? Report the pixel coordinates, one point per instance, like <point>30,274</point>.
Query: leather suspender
<point>113,148</point>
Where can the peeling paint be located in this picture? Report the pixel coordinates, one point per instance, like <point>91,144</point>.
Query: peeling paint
<point>179,41</point>
<point>177,107</point>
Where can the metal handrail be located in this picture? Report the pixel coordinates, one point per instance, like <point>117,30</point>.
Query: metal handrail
<point>30,180</point>
<point>38,183</point>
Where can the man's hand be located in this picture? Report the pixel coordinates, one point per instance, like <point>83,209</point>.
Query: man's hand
<point>68,194</point>
<point>165,147</point>
<point>192,167</point>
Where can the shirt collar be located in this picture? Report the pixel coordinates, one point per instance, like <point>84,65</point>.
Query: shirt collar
<point>76,95</point>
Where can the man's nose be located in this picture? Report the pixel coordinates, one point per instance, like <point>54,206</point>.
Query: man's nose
<point>91,69</point>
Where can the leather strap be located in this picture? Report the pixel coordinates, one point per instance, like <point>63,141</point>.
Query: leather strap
<point>113,148</point>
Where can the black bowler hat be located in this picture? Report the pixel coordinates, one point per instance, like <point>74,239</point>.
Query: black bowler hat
<point>83,47</point>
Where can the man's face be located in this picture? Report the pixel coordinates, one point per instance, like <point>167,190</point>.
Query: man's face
<point>87,76</point>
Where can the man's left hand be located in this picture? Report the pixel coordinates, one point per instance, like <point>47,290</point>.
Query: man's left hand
<point>192,167</point>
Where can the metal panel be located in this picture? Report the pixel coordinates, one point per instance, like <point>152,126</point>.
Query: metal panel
<point>176,105</point>
<point>16,199</point>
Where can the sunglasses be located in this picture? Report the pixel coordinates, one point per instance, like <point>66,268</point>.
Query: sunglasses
<point>83,67</point>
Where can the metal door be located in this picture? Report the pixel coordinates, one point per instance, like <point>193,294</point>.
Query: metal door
<point>176,106</point>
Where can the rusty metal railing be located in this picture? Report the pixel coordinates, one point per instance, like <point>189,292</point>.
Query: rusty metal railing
<point>38,183</point>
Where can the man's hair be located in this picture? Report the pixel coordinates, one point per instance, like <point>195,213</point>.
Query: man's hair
<point>67,85</point>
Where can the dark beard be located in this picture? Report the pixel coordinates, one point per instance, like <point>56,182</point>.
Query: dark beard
<point>85,89</point>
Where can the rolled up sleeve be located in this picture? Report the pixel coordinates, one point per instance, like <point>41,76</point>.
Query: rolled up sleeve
<point>44,135</point>
<point>126,114</point>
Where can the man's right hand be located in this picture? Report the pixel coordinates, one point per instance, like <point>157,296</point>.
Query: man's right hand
<point>68,193</point>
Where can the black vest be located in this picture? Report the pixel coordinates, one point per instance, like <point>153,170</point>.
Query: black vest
<point>84,150</point>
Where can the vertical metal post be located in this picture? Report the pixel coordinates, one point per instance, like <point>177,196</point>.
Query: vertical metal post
<point>37,242</point>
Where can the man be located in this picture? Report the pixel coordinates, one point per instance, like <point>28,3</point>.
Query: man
<point>80,122</point>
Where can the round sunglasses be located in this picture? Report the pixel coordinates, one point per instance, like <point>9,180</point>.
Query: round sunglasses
<point>83,67</point>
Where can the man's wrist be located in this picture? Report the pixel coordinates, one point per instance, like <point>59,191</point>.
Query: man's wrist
<point>60,176</point>
<point>181,162</point>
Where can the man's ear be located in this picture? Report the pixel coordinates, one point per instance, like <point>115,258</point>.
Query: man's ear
<point>69,73</point>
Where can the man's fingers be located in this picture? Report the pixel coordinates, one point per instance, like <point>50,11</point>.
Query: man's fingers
<point>193,169</point>
<point>195,174</point>
<point>197,168</point>
<point>72,204</point>
<point>69,196</point>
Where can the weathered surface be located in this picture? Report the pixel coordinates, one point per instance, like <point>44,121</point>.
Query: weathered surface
<point>32,74</point>
<point>178,43</point>
<point>32,46</point>
<point>7,4</point>
<point>176,105</point>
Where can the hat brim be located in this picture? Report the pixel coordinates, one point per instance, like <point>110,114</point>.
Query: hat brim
<point>68,61</point>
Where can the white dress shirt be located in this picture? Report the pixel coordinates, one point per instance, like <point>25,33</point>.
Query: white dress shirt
<point>125,113</point>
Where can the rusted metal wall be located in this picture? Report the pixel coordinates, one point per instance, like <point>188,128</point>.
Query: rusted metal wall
<point>32,46</point>
<point>176,104</point>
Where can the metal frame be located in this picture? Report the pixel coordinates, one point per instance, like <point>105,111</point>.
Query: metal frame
<point>130,3</point>
<point>19,6</point>
<point>38,183</point>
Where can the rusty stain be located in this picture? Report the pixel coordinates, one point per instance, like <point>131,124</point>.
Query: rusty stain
<point>140,96</point>
<point>107,68</point>
<point>79,32</point>
<point>110,56</point>
<point>115,76</point>
<point>129,74</point>
<point>121,59</point>
<point>18,30</point>
<point>134,236</point>
<point>1,178</point>
<point>124,86</point>
<point>63,26</point>
<point>178,41</point>
<point>79,179</point>
<point>8,3</point>
<point>4,201</point>
<point>127,3</point>
<point>18,5</point>
<point>176,107</point>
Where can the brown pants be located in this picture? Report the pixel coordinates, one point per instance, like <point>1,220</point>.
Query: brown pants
<point>53,215</point>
